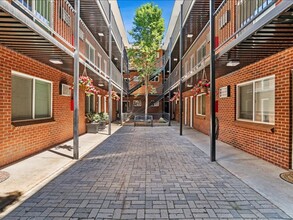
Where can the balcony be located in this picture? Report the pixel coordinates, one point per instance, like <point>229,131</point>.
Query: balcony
<point>246,32</point>
<point>43,30</point>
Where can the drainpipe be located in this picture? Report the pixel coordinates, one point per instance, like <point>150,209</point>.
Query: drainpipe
<point>180,69</point>
<point>110,71</point>
<point>213,84</point>
<point>76,79</point>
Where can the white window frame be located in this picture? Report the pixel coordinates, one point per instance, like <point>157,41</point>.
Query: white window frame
<point>186,67</point>
<point>253,102</point>
<point>105,104</point>
<point>100,61</point>
<point>197,104</point>
<point>94,49</point>
<point>155,79</point>
<point>99,104</point>
<point>199,49</point>
<point>94,103</point>
<point>136,79</point>
<point>23,75</point>
<point>105,66</point>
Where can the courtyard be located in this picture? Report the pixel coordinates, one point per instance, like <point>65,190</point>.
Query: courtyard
<point>146,173</point>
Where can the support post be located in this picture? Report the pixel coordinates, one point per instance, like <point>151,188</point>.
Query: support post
<point>163,81</point>
<point>169,81</point>
<point>213,84</point>
<point>110,71</point>
<point>180,70</point>
<point>121,101</point>
<point>76,79</point>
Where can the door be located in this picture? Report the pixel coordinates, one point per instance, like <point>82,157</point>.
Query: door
<point>185,110</point>
<point>125,106</point>
<point>191,112</point>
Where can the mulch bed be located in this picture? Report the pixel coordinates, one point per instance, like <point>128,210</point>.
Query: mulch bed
<point>287,176</point>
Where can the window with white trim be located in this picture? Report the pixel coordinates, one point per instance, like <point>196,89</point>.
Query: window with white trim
<point>90,52</point>
<point>31,97</point>
<point>90,106</point>
<point>201,53</point>
<point>155,79</point>
<point>105,66</point>
<point>41,9</point>
<point>100,61</point>
<point>136,79</point>
<point>99,103</point>
<point>201,104</point>
<point>256,100</point>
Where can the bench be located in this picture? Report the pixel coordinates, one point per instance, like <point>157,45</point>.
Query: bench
<point>142,119</point>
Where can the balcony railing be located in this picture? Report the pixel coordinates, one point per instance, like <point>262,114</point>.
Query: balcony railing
<point>115,30</point>
<point>231,20</point>
<point>57,18</point>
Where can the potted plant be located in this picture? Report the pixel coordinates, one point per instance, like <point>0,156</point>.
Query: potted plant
<point>102,120</point>
<point>92,125</point>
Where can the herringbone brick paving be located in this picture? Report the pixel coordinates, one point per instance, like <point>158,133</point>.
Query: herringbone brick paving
<point>146,173</point>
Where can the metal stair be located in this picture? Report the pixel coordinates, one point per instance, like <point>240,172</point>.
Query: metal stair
<point>156,73</point>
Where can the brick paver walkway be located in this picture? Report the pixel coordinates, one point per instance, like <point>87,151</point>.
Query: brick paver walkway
<point>146,173</point>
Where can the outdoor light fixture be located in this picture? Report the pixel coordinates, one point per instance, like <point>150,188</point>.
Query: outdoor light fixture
<point>189,35</point>
<point>101,34</point>
<point>233,63</point>
<point>175,59</point>
<point>189,85</point>
<point>115,58</point>
<point>101,84</point>
<point>56,61</point>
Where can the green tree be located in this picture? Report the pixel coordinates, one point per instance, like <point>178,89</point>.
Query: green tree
<point>147,33</point>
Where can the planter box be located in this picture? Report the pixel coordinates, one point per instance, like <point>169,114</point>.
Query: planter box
<point>92,128</point>
<point>101,125</point>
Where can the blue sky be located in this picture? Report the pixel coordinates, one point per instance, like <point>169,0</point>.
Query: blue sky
<point>128,7</point>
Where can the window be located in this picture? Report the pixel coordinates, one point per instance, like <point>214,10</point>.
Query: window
<point>100,103</point>
<point>137,103</point>
<point>99,61</point>
<point>186,68</point>
<point>90,104</point>
<point>105,104</point>
<point>105,66</point>
<point>157,104</point>
<point>201,104</point>
<point>256,100</point>
<point>31,98</point>
<point>155,79</point>
<point>90,52</point>
<point>247,10</point>
<point>136,79</point>
<point>201,53</point>
<point>41,9</point>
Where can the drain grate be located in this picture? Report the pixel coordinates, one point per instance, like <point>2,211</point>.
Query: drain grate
<point>287,176</point>
<point>3,176</point>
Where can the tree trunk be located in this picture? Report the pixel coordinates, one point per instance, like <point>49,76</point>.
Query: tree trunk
<point>146,96</point>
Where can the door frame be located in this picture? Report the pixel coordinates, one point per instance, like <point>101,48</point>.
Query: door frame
<point>185,110</point>
<point>191,112</point>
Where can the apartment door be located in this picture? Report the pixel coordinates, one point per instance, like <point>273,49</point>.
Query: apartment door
<point>191,112</point>
<point>185,110</point>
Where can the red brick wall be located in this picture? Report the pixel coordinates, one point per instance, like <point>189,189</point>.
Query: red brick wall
<point>17,142</point>
<point>257,139</point>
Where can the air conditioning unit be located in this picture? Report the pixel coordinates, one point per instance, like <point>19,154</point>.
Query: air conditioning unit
<point>65,90</point>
